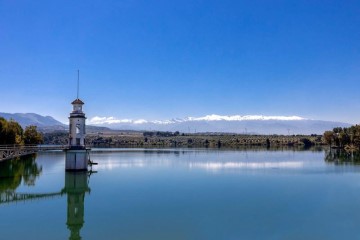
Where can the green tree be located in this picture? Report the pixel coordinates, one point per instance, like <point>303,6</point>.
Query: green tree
<point>329,137</point>
<point>32,136</point>
<point>3,127</point>
<point>14,133</point>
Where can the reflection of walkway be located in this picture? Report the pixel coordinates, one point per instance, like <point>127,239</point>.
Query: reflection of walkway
<point>10,196</point>
<point>76,186</point>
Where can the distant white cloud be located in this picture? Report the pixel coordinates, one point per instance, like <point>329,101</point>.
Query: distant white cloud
<point>215,117</point>
<point>140,121</point>
<point>108,120</point>
<point>112,120</point>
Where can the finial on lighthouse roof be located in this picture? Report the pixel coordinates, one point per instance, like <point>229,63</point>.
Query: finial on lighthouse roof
<point>78,81</point>
<point>77,100</point>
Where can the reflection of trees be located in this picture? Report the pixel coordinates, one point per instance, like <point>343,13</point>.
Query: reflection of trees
<point>12,172</point>
<point>339,156</point>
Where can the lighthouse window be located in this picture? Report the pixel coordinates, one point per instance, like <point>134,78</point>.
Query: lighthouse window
<point>77,128</point>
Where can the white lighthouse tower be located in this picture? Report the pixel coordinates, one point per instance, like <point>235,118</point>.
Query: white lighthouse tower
<point>77,153</point>
<point>77,126</point>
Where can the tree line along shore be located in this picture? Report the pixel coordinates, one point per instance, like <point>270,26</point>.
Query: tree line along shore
<point>344,138</point>
<point>176,139</point>
<point>11,133</point>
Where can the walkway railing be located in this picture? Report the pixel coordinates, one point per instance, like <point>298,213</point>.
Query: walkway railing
<point>12,151</point>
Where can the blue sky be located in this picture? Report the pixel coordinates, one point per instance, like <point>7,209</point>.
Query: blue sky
<point>165,59</point>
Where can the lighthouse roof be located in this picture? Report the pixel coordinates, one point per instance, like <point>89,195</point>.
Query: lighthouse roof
<point>77,101</point>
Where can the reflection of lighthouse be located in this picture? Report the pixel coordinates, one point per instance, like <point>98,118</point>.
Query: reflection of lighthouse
<point>76,185</point>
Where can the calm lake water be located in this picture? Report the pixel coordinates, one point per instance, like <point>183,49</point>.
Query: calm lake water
<point>182,194</point>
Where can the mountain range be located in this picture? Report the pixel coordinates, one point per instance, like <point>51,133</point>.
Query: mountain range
<point>26,119</point>
<point>248,124</point>
<point>45,123</point>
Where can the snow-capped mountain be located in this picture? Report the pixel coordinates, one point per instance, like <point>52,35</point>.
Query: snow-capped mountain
<point>26,119</point>
<point>213,117</point>
<point>255,124</point>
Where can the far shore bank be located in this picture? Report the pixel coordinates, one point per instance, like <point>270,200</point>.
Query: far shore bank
<point>167,139</point>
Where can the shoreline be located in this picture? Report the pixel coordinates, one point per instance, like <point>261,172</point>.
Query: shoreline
<point>190,140</point>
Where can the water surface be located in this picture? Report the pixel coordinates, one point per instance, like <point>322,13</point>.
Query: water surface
<point>182,194</point>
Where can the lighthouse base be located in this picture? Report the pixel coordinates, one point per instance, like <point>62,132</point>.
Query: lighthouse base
<point>76,160</point>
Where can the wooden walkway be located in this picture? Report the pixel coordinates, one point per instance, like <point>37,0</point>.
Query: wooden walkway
<point>12,151</point>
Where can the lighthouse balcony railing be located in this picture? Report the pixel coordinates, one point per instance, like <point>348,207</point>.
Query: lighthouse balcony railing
<point>78,147</point>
